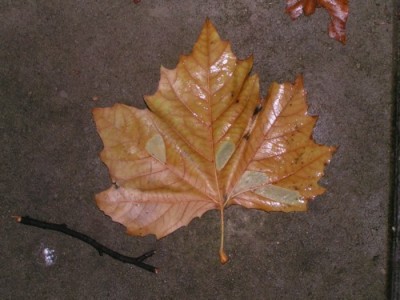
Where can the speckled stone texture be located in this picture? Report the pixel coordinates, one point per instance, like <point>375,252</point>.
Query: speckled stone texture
<point>60,59</point>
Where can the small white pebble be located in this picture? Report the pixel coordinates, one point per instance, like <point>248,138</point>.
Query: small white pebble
<point>63,94</point>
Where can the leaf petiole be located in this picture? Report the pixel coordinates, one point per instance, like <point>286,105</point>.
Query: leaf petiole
<point>222,255</point>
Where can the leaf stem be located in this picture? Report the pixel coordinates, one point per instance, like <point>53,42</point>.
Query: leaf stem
<point>222,255</point>
<point>137,261</point>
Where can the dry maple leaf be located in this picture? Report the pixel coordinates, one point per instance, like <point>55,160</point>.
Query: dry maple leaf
<point>206,142</point>
<point>337,9</point>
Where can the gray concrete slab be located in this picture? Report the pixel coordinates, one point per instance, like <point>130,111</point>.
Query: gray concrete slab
<point>56,55</point>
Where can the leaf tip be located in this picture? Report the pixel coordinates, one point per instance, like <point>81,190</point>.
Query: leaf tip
<point>299,79</point>
<point>208,22</point>
<point>96,111</point>
<point>332,150</point>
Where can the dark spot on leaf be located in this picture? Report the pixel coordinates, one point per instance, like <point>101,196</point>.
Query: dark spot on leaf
<point>257,110</point>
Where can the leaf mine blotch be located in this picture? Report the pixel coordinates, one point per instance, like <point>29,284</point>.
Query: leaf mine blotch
<point>223,154</point>
<point>279,194</point>
<point>155,146</point>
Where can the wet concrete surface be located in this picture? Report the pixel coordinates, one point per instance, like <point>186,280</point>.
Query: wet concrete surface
<point>60,59</point>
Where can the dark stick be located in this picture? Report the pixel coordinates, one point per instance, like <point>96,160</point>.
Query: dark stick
<point>137,261</point>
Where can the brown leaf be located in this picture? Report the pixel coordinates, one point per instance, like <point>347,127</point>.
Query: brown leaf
<point>207,142</point>
<point>337,9</point>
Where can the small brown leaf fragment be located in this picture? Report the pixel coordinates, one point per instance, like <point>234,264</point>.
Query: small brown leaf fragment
<point>309,7</point>
<point>337,9</point>
<point>207,141</point>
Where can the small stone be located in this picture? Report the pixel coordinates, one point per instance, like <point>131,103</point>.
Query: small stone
<point>63,94</point>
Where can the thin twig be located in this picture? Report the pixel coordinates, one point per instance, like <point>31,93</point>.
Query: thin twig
<point>137,261</point>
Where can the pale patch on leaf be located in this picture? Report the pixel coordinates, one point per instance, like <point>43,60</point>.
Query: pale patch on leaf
<point>223,154</point>
<point>155,147</point>
<point>249,181</point>
<point>278,194</point>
